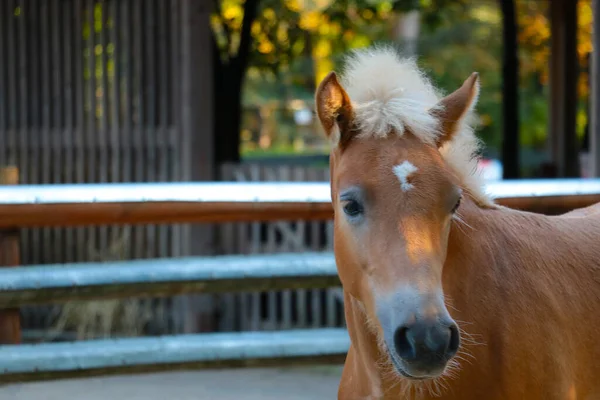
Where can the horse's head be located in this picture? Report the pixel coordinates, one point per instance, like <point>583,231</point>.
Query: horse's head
<point>395,194</point>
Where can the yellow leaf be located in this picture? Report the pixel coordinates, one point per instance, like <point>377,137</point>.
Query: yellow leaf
<point>322,49</point>
<point>269,14</point>
<point>322,68</point>
<point>310,21</point>
<point>293,5</point>
<point>335,28</point>
<point>256,28</point>
<point>233,11</point>
<point>282,33</point>
<point>360,41</point>
<point>266,47</point>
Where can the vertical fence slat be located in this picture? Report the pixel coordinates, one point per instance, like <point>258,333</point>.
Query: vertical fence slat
<point>300,175</point>
<point>103,92</point>
<point>149,123</point>
<point>47,119</point>
<point>23,89</point>
<point>80,124</point>
<point>315,245</point>
<point>181,232</point>
<point>255,175</point>
<point>163,125</point>
<point>35,76</point>
<point>57,99</point>
<point>137,150</point>
<point>3,79</point>
<point>69,43</point>
<point>126,140</point>
<point>29,144</point>
<point>78,62</point>
<point>286,296</point>
<point>150,86</point>
<point>12,82</point>
<point>92,108</point>
<point>116,233</point>
<point>244,298</point>
<point>103,135</point>
<point>271,247</point>
<point>163,90</point>
<point>175,93</point>
<point>228,300</point>
<point>127,88</point>
<point>91,84</point>
<point>331,298</point>
<point>4,126</point>
<point>115,38</point>
<point>58,104</point>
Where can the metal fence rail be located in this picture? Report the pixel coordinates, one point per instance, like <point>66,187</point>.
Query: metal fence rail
<point>99,357</point>
<point>72,205</point>
<point>164,277</point>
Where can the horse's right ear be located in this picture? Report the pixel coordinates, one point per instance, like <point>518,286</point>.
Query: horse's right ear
<point>333,107</point>
<point>452,109</point>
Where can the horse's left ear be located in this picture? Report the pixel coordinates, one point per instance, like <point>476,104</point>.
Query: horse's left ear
<point>451,110</point>
<point>334,109</point>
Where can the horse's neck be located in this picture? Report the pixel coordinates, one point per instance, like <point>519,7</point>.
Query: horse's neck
<point>480,236</point>
<point>364,366</point>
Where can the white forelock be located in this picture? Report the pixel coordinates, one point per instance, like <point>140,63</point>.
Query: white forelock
<point>391,95</point>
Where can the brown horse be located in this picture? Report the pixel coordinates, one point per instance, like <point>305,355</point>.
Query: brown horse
<point>446,293</point>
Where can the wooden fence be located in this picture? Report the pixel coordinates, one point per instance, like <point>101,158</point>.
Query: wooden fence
<point>92,91</point>
<point>287,309</point>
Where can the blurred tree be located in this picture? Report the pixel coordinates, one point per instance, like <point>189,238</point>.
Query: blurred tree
<point>459,39</point>
<point>272,40</point>
<point>231,49</point>
<point>291,44</point>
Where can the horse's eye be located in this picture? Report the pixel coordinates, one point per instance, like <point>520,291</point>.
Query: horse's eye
<point>455,208</point>
<point>352,208</point>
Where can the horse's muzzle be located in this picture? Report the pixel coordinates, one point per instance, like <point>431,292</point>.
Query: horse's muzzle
<point>425,347</point>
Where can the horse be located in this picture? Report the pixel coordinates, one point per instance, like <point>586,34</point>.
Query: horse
<point>446,293</point>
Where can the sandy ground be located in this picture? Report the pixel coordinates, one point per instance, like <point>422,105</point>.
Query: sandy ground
<point>251,384</point>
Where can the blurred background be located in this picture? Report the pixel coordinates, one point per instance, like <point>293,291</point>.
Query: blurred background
<point>176,90</point>
<point>179,90</point>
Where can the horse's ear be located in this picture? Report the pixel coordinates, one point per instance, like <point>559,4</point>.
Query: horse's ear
<point>333,107</point>
<point>451,110</point>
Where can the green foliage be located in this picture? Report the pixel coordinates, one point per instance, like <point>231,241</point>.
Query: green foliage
<point>467,39</point>
<point>296,42</point>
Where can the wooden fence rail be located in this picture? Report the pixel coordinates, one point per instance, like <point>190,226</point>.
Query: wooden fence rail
<point>145,203</point>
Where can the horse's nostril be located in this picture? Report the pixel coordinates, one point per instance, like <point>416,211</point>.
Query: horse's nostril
<point>404,346</point>
<point>426,343</point>
<point>454,341</point>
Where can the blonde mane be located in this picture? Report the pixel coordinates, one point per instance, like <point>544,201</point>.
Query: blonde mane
<point>391,94</point>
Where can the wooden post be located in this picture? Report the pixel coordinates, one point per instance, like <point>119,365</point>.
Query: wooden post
<point>594,132</point>
<point>197,125</point>
<point>510,92</point>
<point>563,87</point>
<point>10,319</point>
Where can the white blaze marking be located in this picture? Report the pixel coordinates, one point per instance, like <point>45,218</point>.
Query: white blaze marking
<point>402,171</point>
